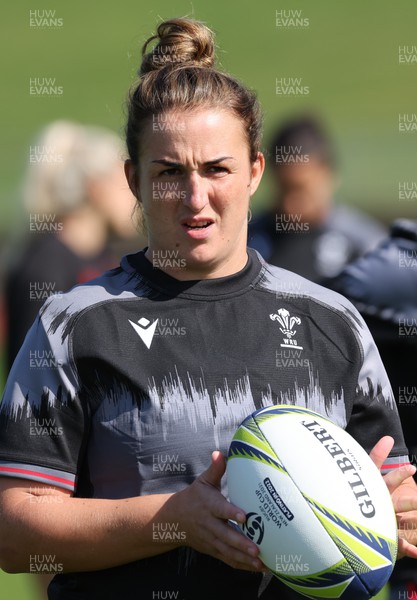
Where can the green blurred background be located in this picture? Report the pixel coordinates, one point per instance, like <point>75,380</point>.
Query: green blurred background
<point>347,55</point>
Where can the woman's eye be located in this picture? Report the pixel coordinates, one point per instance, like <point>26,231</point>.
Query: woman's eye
<point>217,169</point>
<point>170,172</point>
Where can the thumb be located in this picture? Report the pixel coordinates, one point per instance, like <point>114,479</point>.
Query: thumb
<point>381,450</point>
<point>213,475</point>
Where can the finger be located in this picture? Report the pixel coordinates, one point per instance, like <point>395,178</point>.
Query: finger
<point>404,504</point>
<point>406,549</point>
<point>237,559</point>
<point>220,508</point>
<point>233,537</point>
<point>213,475</point>
<point>221,535</point>
<point>233,546</point>
<point>408,533</point>
<point>381,450</point>
<point>407,520</point>
<point>397,476</point>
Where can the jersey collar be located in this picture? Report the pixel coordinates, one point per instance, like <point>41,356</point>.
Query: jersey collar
<point>156,278</point>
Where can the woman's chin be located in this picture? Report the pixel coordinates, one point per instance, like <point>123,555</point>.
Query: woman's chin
<point>200,260</point>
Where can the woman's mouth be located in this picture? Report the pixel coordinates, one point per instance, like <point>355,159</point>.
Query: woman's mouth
<point>197,228</point>
<point>200,225</point>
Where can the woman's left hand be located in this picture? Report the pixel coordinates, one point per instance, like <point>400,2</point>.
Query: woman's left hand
<point>403,490</point>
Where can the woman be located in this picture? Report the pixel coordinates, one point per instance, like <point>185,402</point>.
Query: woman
<point>157,362</point>
<point>70,192</point>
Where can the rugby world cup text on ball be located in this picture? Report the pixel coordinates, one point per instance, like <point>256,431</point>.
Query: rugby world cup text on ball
<point>345,465</point>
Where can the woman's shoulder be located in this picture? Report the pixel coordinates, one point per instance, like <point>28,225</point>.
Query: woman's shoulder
<point>293,288</point>
<point>112,285</point>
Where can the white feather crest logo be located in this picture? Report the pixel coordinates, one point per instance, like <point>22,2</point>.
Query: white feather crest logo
<point>287,323</point>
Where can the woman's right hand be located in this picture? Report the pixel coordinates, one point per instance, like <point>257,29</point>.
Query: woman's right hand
<point>204,513</point>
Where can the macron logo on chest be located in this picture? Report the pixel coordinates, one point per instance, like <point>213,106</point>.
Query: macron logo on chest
<point>145,330</point>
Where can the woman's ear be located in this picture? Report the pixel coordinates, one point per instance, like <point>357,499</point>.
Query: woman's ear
<point>257,169</point>
<point>132,178</point>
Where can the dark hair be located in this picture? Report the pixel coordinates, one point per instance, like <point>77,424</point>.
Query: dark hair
<point>304,135</point>
<point>178,74</point>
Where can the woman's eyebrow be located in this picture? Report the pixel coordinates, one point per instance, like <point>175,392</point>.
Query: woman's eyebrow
<point>169,163</point>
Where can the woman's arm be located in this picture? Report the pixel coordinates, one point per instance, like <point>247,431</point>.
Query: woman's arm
<point>41,523</point>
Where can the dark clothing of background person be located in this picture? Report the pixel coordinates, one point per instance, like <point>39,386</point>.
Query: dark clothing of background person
<point>304,230</point>
<point>45,266</point>
<point>383,287</point>
<point>314,251</point>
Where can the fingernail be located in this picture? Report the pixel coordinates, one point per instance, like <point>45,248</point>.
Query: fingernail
<point>253,551</point>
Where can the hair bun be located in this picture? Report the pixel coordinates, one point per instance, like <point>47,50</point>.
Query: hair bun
<point>181,41</point>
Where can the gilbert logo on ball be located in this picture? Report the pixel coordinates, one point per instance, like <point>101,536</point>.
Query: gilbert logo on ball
<point>311,492</point>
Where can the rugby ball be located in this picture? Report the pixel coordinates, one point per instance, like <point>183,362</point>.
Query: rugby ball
<point>316,505</point>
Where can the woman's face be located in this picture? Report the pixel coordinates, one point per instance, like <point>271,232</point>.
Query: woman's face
<point>195,181</point>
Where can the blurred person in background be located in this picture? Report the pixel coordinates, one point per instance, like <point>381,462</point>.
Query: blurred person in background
<point>383,286</point>
<point>304,231</point>
<point>79,207</point>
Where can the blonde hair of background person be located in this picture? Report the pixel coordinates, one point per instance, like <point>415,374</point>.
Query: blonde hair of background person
<point>79,213</point>
<point>80,166</point>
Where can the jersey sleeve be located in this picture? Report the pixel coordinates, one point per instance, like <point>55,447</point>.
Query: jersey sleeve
<point>374,412</point>
<point>43,423</point>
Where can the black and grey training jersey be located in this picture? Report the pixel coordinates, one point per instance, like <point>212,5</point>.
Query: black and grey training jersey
<point>125,384</point>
